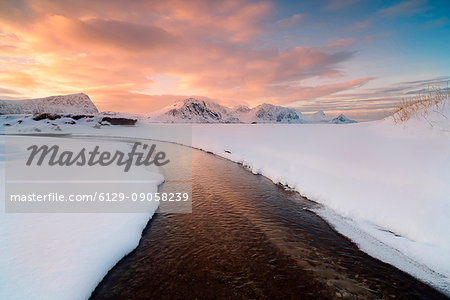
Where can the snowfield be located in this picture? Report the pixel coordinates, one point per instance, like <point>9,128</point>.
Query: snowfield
<point>383,184</point>
<point>63,255</point>
<point>390,181</point>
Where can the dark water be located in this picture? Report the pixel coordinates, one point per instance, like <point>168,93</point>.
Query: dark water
<point>248,238</point>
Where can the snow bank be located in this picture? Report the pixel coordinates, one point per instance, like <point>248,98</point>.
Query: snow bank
<point>62,256</point>
<point>391,179</point>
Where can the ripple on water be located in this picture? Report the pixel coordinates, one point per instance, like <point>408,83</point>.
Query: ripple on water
<point>249,238</point>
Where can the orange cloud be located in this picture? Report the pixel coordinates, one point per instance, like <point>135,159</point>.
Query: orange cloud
<point>17,79</point>
<point>110,49</point>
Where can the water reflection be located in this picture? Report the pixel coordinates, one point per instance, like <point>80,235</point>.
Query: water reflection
<point>248,238</point>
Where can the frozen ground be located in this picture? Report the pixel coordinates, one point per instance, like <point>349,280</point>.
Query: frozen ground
<point>62,255</point>
<point>386,181</point>
<point>383,184</point>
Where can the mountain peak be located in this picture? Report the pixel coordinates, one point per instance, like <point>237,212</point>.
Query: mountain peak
<point>341,119</point>
<point>79,103</point>
<point>241,109</point>
<point>319,113</point>
<point>192,110</point>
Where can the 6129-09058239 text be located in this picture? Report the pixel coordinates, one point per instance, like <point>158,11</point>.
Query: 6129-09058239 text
<point>100,197</point>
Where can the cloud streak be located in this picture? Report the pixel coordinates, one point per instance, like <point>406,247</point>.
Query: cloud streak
<point>291,21</point>
<point>405,8</point>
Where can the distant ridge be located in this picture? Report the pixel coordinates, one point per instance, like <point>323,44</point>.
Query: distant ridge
<point>62,104</point>
<point>193,110</point>
<point>190,110</point>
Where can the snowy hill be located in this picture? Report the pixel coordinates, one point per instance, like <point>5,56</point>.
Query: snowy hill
<point>341,119</point>
<point>192,110</point>
<point>317,117</point>
<point>321,117</point>
<point>424,115</point>
<point>66,104</point>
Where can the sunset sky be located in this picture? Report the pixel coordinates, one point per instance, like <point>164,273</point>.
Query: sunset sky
<point>356,57</point>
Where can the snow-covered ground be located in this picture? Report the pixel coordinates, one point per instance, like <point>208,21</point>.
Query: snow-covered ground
<point>384,185</point>
<point>63,255</point>
<point>390,181</point>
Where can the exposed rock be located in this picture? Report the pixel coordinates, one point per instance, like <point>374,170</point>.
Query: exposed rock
<point>119,121</point>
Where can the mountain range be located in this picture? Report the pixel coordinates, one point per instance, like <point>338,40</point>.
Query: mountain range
<point>190,110</point>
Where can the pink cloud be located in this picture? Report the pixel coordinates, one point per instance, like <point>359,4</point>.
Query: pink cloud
<point>109,49</point>
<point>291,21</point>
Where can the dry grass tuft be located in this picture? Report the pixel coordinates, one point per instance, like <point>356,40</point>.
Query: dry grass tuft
<point>421,105</point>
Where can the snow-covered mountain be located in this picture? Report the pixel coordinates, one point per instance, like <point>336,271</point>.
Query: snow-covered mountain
<point>317,117</point>
<point>65,104</point>
<point>192,110</point>
<point>321,117</point>
<point>341,119</point>
<point>268,113</point>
